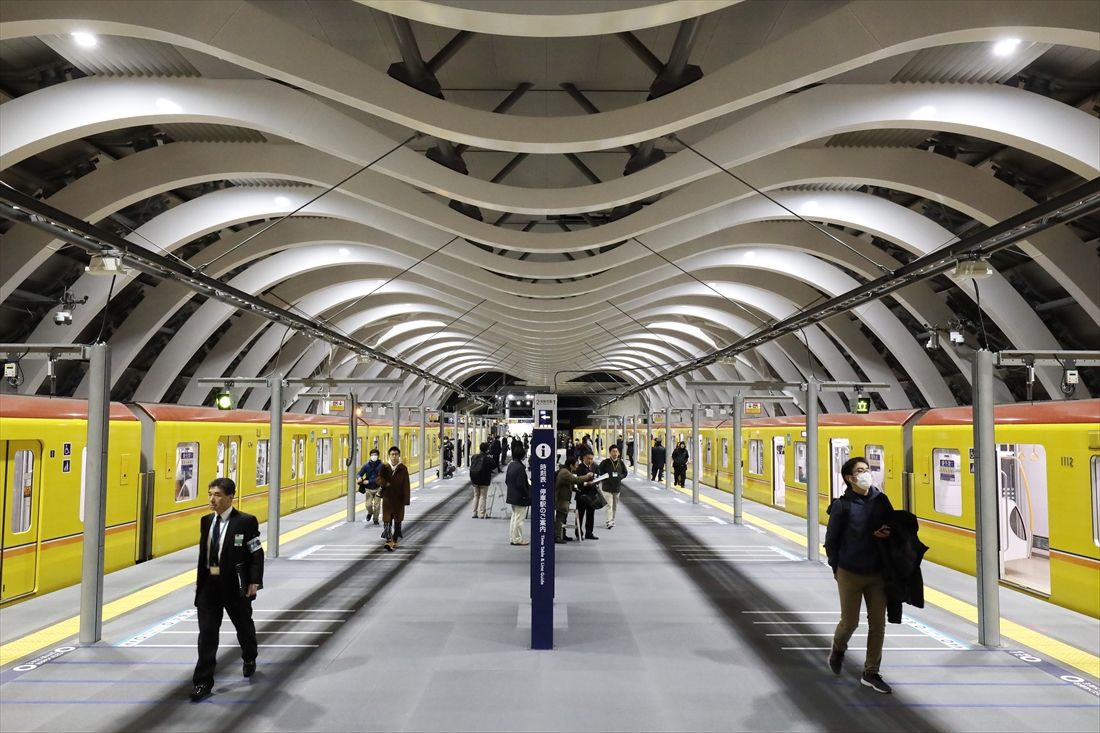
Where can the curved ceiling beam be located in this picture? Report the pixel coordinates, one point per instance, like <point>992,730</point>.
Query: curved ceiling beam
<point>555,19</point>
<point>856,34</point>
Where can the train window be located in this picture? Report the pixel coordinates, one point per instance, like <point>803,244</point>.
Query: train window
<point>234,450</point>
<point>24,491</point>
<point>947,481</point>
<point>324,456</point>
<point>876,460</point>
<point>415,446</point>
<point>709,443</point>
<point>262,466</point>
<point>294,458</point>
<point>756,457</point>
<point>800,462</point>
<point>187,471</point>
<point>725,453</point>
<point>358,450</point>
<point>1095,466</point>
<point>220,469</point>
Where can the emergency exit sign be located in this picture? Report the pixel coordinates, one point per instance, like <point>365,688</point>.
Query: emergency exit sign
<point>754,408</point>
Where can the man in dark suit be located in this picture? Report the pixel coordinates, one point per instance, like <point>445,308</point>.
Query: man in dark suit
<point>231,570</point>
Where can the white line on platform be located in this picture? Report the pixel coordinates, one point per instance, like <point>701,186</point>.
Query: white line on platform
<point>296,620</point>
<point>792,623</point>
<point>258,632</point>
<point>307,551</point>
<point>863,648</point>
<point>716,520</point>
<point>678,499</point>
<point>790,612</point>
<point>334,526</point>
<point>888,636</point>
<point>415,498</point>
<point>303,610</point>
<point>192,646</point>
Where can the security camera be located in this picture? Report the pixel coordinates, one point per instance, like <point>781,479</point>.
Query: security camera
<point>63,318</point>
<point>932,342</point>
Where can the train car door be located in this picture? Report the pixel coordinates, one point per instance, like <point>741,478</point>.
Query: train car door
<point>1022,515</point>
<point>229,451</point>
<point>22,479</point>
<point>839,450</point>
<point>779,471</point>
<point>298,469</point>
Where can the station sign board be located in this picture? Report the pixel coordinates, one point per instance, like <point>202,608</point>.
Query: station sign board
<point>543,464</point>
<point>753,407</point>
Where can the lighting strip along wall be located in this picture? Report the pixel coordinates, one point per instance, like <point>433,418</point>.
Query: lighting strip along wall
<point>19,207</point>
<point>1078,202</point>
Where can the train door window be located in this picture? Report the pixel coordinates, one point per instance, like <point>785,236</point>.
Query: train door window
<point>800,462</point>
<point>234,453</point>
<point>947,481</point>
<point>23,496</point>
<point>262,466</point>
<point>294,457</point>
<point>359,450</point>
<point>779,472</point>
<point>876,460</point>
<point>220,468</point>
<point>756,457</point>
<point>415,444</point>
<point>839,451</point>
<point>1094,466</point>
<point>324,456</point>
<point>187,471</point>
<point>344,450</point>
<point>1023,513</point>
<point>699,448</point>
<point>709,444</point>
<point>725,453</point>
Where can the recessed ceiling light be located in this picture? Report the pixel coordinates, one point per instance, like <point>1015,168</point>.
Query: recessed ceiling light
<point>282,201</point>
<point>344,251</point>
<point>85,40</point>
<point>1006,47</point>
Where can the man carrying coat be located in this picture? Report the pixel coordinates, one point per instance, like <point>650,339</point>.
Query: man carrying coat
<point>230,572</point>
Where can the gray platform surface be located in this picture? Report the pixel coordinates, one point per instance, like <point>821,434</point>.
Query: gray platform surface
<point>674,620</point>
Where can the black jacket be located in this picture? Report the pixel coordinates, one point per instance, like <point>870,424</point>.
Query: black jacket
<point>241,561</point>
<point>519,485</point>
<point>657,455</point>
<point>483,476</point>
<point>616,472</point>
<point>850,542</point>
<point>679,456</point>
<point>901,555</point>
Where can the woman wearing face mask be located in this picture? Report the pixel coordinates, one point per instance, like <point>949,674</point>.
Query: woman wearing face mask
<point>396,495</point>
<point>857,521</point>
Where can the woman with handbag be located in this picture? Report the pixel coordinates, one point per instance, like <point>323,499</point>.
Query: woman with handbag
<point>589,499</point>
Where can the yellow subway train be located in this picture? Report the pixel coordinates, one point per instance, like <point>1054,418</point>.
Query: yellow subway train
<point>1048,469</point>
<point>160,460</point>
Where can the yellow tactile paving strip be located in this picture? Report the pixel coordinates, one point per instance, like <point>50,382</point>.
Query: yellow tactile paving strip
<point>1071,656</point>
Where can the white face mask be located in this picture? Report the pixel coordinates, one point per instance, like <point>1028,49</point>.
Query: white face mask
<point>864,481</point>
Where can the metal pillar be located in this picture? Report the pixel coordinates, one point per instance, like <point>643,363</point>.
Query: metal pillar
<point>423,443</point>
<point>95,495</point>
<point>442,433</point>
<point>696,479</point>
<point>649,443</point>
<point>738,462</point>
<point>353,469</point>
<point>668,447</point>
<point>466,444</point>
<point>812,544</point>
<point>275,461</point>
<point>396,407</point>
<point>985,503</point>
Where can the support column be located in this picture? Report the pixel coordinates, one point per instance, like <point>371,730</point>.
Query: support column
<point>649,443</point>
<point>696,480</point>
<point>352,468</point>
<point>738,462</point>
<point>634,437</point>
<point>668,447</point>
<point>442,434</point>
<point>812,544</point>
<point>396,407</point>
<point>467,445</point>
<point>985,503</point>
<point>275,461</point>
<point>423,443</point>
<point>95,494</point>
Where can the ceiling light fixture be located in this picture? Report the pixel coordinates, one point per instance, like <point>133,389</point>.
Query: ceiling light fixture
<point>85,39</point>
<point>1006,46</point>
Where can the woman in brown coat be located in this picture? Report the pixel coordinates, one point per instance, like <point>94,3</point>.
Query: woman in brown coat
<point>396,495</point>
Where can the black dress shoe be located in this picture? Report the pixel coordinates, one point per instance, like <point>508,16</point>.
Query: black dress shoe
<point>201,692</point>
<point>249,668</point>
<point>591,537</point>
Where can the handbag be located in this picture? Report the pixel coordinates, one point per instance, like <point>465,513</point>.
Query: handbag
<point>595,499</point>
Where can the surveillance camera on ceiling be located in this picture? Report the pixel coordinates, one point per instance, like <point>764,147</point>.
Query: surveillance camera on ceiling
<point>63,318</point>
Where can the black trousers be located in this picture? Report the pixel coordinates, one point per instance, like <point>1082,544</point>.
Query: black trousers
<point>657,473</point>
<point>679,474</point>
<point>587,516</point>
<point>217,595</point>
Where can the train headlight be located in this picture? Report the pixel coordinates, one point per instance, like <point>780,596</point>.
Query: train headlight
<point>224,400</point>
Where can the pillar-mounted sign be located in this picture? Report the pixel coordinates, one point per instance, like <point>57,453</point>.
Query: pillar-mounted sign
<point>754,408</point>
<point>543,468</point>
<point>863,405</point>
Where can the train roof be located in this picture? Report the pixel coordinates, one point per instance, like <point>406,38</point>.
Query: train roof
<point>190,413</point>
<point>1022,413</point>
<point>54,408</point>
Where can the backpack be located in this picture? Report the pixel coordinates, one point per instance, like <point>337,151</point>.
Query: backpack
<point>477,468</point>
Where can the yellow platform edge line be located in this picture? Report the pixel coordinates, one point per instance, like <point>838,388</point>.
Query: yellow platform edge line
<point>1079,659</point>
<point>62,630</point>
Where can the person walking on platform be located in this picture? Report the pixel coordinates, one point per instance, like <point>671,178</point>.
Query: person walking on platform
<point>396,495</point>
<point>519,493</point>
<point>481,475</point>
<point>518,449</point>
<point>615,469</point>
<point>495,451</point>
<point>588,496</point>
<point>565,483</point>
<point>679,464</point>
<point>657,461</point>
<point>230,573</point>
<point>857,523</point>
<point>526,442</point>
<point>368,485</point>
<point>630,452</point>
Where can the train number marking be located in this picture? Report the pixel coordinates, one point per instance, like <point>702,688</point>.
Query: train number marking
<point>1067,461</point>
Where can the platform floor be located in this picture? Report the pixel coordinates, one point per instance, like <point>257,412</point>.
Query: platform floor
<point>675,620</point>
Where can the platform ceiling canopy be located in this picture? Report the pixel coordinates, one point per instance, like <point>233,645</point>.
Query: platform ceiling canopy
<point>574,195</point>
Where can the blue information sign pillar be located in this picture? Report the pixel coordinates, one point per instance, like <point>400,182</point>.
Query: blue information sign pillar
<point>543,469</point>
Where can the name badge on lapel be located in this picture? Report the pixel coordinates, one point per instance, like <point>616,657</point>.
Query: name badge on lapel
<point>238,540</point>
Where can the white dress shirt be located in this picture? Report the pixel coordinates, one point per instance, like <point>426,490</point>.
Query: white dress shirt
<point>221,541</point>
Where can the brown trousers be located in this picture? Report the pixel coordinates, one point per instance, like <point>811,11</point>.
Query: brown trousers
<point>854,588</point>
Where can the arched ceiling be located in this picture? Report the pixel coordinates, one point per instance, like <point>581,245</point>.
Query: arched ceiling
<point>545,189</point>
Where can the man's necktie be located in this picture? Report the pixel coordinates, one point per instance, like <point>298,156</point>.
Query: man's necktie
<point>216,540</point>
